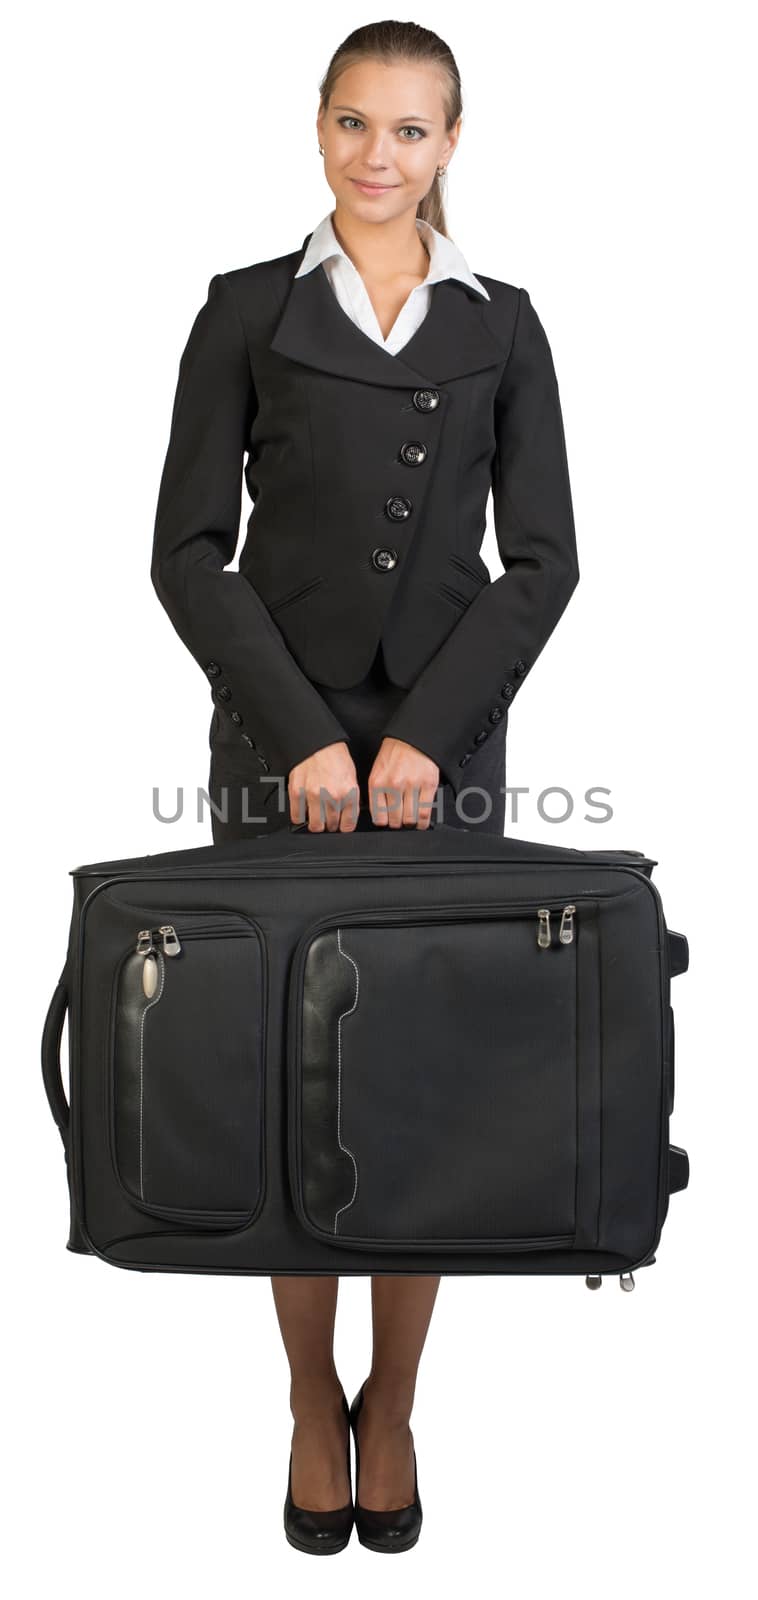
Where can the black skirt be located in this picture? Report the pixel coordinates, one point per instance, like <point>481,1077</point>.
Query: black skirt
<point>244,805</point>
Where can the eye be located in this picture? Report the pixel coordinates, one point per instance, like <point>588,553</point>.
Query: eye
<point>409,128</point>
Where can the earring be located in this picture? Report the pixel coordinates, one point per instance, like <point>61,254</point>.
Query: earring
<point>442,172</point>
<point>321,149</point>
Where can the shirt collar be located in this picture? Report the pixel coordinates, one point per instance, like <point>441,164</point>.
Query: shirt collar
<point>446,260</point>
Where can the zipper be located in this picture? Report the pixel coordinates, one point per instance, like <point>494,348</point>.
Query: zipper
<point>409,916</point>
<point>171,945</point>
<point>615,860</point>
<point>170,942</point>
<point>565,930</point>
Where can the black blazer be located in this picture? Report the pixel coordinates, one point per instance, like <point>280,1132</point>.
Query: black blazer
<point>370,475</point>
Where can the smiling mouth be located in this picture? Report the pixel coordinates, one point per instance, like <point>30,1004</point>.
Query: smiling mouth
<point>366,185</point>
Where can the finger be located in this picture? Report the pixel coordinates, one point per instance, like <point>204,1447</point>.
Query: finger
<point>410,806</point>
<point>332,809</point>
<point>377,799</point>
<point>395,805</point>
<point>349,811</point>
<point>424,807</point>
<point>316,821</point>
<point>297,804</point>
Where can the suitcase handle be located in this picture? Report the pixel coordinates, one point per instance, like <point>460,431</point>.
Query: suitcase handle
<point>679,952</point>
<point>364,810</point>
<point>51,1062</point>
<point>679,1168</point>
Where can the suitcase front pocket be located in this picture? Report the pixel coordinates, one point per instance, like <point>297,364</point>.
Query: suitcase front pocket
<point>444,1068</point>
<point>187,1068</point>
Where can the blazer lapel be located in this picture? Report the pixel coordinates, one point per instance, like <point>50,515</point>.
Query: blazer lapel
<point>453,339</point>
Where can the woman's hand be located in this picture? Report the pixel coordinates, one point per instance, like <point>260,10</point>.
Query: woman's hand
<point>401,785</point>
<point>332,770</point>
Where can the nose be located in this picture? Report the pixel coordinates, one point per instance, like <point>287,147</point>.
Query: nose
<point>374,154</point>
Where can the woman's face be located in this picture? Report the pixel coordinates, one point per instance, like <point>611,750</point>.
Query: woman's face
<point>385,126</point>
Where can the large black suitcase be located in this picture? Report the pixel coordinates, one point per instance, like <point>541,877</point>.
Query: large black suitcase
<point>391,1051</point>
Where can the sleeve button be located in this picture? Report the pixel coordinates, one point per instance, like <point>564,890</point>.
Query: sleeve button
<point>212,668</point>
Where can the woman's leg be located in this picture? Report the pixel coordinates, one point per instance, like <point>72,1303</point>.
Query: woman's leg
<point>401,1310</point>
<point>306,1309</point>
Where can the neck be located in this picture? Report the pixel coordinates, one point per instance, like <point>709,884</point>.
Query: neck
<point>382,250</point>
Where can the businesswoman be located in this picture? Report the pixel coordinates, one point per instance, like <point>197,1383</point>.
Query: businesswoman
<point>361,661</point>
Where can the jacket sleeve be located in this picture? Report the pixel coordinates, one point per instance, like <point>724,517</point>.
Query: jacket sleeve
<point>256,682</point>
<point>462,691</point>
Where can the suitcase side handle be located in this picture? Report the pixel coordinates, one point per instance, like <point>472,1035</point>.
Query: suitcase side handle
<point>679,1168</point>
<point>679,952</point>
<point>51,1063</point>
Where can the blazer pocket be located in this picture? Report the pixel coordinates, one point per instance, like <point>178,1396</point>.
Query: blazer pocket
<point>454,595</point>
<point>295,594</point>
<point>467,570</point>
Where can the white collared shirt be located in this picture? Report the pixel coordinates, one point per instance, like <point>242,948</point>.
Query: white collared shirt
<point>446,261</point>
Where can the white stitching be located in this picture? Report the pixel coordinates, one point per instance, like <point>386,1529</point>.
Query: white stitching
<point>150,1003</point>
<point>339,1076</point>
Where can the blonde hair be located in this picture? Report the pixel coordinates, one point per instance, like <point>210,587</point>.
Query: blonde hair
<point>390,42</point>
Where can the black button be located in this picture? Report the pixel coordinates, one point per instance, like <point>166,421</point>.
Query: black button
<point>384,559</point>
<point>507,691</point>
<point>519,668</point>
<point>398,508</point>
<point>495,714</point>
<point>426,399</point>
<point>236,718</point>
<point>480,737</point>
<point>224,692</point>
<point>264,763</point>
<point>463,760</point>
<point>212,668</point>
<point>412,453</point>
<point>249,741</point>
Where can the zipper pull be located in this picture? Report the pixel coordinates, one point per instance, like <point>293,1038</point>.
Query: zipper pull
<point>171,945</point>
<point>150,973</point>
<point>543,929</point>
<point>566,930</point>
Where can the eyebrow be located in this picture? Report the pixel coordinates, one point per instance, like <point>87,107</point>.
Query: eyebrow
<point>398,119</point>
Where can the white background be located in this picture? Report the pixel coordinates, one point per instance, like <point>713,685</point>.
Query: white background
<point>566,1441</point>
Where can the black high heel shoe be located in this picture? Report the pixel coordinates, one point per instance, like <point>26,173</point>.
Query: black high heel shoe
<point>393,1530</point>
<point>320,1533</point>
